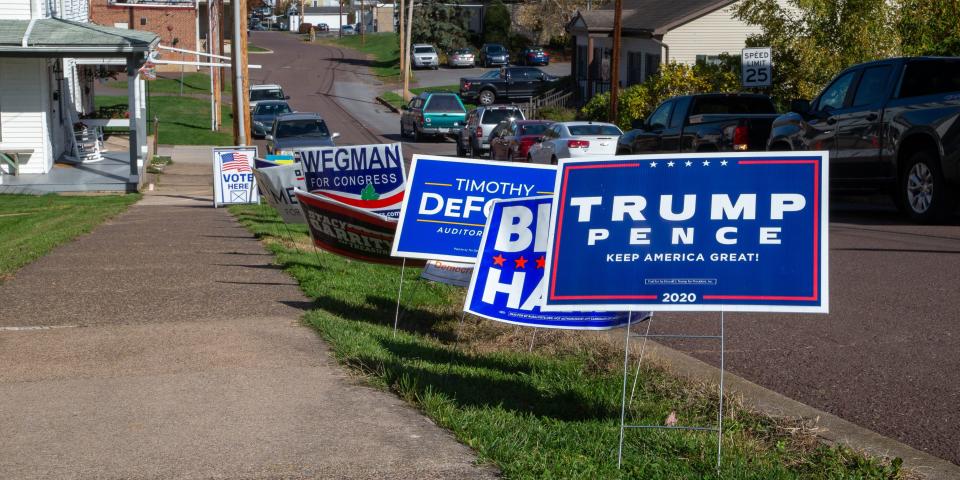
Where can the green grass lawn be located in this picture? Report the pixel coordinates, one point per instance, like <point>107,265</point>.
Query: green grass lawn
<point>251,48</point>
<point>30,226</point>
<point>183,120</point>
<point>553,413</point>
<point>383,47</point>
<point>169,82</point>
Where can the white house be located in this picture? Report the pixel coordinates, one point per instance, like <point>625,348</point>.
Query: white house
<point>653,32</point>
<point>322,13</point>
<point>49,53</point>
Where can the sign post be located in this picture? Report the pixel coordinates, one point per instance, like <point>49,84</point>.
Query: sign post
<point>756,67</point>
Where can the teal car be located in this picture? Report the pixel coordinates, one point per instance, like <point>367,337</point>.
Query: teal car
<point>435,114</point>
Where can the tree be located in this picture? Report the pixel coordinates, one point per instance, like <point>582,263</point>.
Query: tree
<point>496,23</point>
<point>930,27</point>
<point>813,40</point>
<point>546,20</point>
<point>441,24</point>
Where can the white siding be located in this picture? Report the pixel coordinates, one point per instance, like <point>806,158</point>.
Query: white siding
<point>23,113</point>
<point>330,20</point>
<point>15,9</point>
<point>75,10</point>
<point>711,34</point>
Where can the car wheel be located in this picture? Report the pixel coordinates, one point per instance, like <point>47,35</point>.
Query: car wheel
<point>529,158</point>
<point>924,192</point>
<point>509,156</point>
<point>461,152</point>
<point>436,67</point>
<point>487,97</point>
<point>553,160</point>
<point>417,136</point>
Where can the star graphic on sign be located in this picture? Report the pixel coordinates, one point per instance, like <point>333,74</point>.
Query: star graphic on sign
<point>498,260</point>
<point>521,262</point>
<point>706,163</point>
<point>653,164</point>
<point>542,262</point>
<point>669,164</point>
<point>723,163</point>
<point>687,163</point>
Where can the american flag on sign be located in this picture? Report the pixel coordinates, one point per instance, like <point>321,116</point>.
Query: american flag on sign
<point>238,162</point>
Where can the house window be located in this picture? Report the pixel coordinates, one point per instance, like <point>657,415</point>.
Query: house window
<point>708,60</point>
<point>634,68</point>
<point>653,64</point>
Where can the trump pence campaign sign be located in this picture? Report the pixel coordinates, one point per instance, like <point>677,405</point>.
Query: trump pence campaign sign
<point>708,232</point>
<point>447,201</point>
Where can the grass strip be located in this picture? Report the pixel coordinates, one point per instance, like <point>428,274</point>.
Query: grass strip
<point>183,120</point>
<point>553,413</point>
<point>383,47</point>
<point>195,82</point>
<point>251,48</point>
<point>31,226</point>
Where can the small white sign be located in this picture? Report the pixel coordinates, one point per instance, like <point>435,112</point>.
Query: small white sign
<point>233,180</point>
<point>756,67</point>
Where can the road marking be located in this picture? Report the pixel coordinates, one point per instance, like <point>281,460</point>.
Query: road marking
<point>35,327</point>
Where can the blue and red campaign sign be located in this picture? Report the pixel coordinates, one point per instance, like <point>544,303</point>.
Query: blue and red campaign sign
<point>233,180</point>
<point>447,200</point>
<point>708,232</point>
<point>508,283</point>
<point>370,177</point>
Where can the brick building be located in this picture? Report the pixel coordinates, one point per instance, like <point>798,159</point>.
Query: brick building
<point>176,22</point>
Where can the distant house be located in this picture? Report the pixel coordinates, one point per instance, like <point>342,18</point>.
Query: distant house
<point>49,57</point>
<point>176,22</point>
<point>329,15</point>
<point>653,32</point>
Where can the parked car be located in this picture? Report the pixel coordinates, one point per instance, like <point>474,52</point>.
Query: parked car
<point>264,10</point>
<point>511,140</point>
<point>264,113</point>
<point>509,84</point>
<point>575,139</point>
<point>266,92</point>
<point>714,122</point>
<point>461,57</point>
<point>424,56</point>
<point>348,30</point>
<point>322,27</point>
<point>533,56</point>
<point>494,54</point>
<point>474,139</point>
<point>432,113</point>
<point>890,125</point>
<point>293,131</point>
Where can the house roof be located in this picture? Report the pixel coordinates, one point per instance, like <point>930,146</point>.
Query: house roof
<point>54,37</point>
<point>652,17</point>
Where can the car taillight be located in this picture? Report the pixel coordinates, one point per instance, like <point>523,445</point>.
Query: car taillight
<point>466,85</point>
<point>479,132</point>
<point>741,138</point>
<point>577,144</point>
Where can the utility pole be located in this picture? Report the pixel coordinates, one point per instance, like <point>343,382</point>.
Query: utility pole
<point>340,20</point>
<point>615,62</point>
<point>241,85</point>
<point>406,60</point>
<point>400,31</point>
<point>363,41</point>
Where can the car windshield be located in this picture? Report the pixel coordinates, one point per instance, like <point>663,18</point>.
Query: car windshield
<point>443,103</point>
<point>462,51</point>
<point>584,130</point>
<point>266,94</point>
<point>493,117</point>
<point>423,50</point>
<point>272,109</point>
<point>495,49</point>
<point>535,129</point>
<point>302,128</point>
<point>708,105</point>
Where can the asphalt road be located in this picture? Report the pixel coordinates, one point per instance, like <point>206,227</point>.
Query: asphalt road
<point>451,76</point>
<point>885,358</point>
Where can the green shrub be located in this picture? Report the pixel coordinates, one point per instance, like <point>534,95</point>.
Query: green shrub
<point>558,114</point>
<point>496,23</point>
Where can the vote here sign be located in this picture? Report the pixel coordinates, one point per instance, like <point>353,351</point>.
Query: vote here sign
<point>731,232</point>
<point>447,201</point>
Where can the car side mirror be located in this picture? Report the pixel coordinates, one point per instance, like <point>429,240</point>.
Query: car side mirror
<point>268,137</point>
<point>801,106</point>
<point>543,76</point>
<point>639,124</point>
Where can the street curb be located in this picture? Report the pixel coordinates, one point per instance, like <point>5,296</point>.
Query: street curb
<point>387,104</point>
<point>831,429</point>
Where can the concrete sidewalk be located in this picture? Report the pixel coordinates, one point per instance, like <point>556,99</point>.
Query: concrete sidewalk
<point>176,351</point>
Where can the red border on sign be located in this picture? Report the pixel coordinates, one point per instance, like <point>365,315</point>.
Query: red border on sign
<point>783,298</point>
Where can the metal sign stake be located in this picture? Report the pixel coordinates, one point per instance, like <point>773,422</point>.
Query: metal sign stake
<point>396,315</point>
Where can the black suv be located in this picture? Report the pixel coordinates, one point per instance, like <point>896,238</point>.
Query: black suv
<point>494,54</point>
<point>888,125</point>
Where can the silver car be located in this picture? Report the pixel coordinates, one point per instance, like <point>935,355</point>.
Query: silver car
<point>474,139</point>
<point>461,57</point>
<point>424,56</point>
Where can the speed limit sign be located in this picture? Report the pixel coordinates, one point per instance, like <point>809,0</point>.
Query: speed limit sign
<point>756,67</point>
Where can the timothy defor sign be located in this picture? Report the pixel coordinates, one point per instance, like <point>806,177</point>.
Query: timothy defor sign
<point>233,180</point>
<point>738,232</point>
<point>370,177</point>
<point>508,283</point>
<point>447,200</point>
